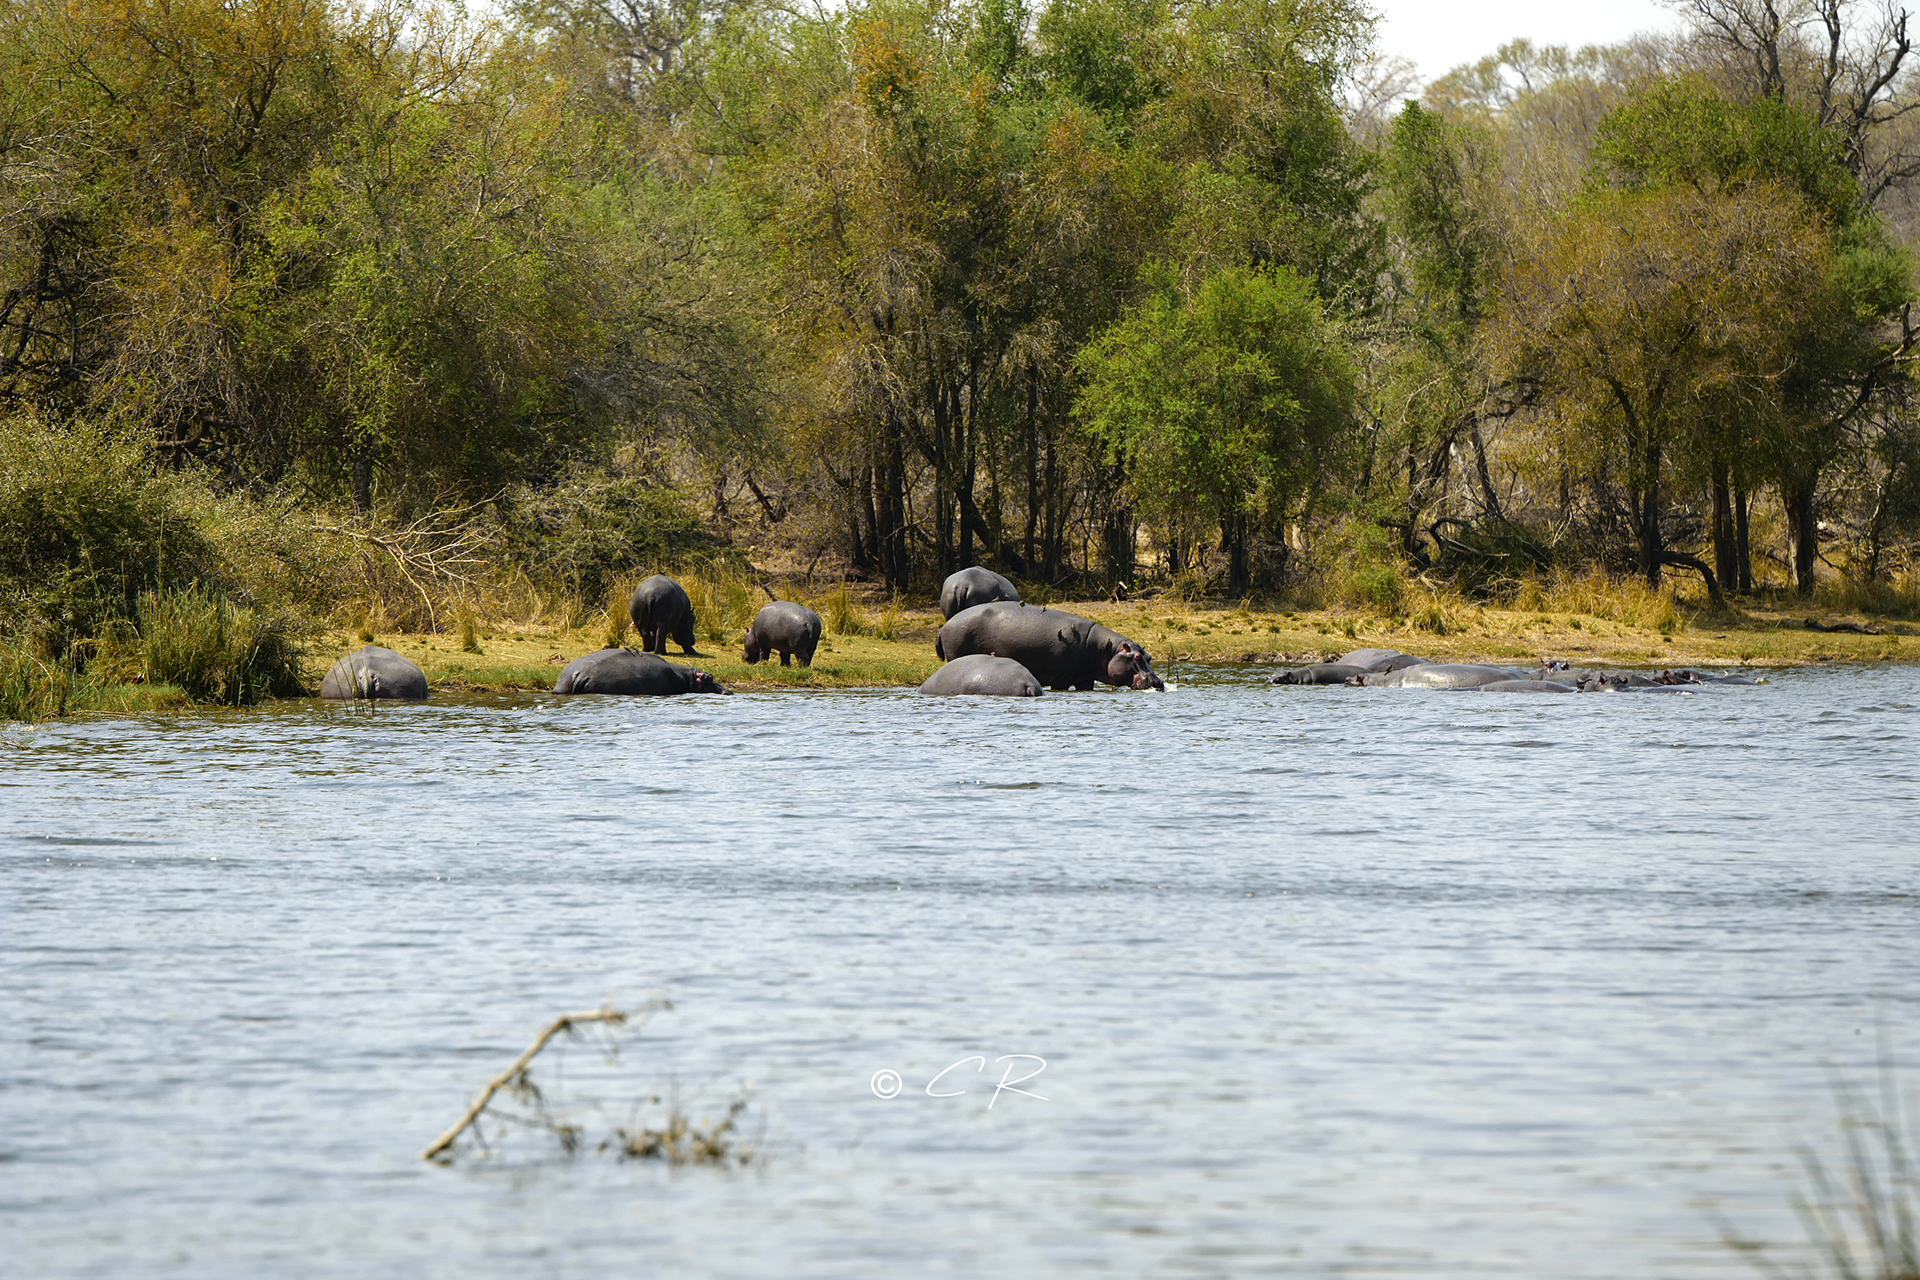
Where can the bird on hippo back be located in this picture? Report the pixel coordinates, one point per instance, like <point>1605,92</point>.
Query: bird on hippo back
<point>631,672</point>
<point>1063,650</point>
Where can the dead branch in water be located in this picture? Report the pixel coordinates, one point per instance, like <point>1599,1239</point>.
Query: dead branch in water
<point>565,1022</point>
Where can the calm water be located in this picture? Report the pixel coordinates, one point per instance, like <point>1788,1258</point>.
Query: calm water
<point>1326,981</point>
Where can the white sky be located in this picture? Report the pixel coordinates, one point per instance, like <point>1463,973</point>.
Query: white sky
<point>1442,34</point>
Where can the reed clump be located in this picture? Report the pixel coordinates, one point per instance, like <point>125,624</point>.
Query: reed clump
<point>1897,597</point>
<point>32,687</point>
<point>213,649</point>
<point>841,615</point>
<point>1629,601</point>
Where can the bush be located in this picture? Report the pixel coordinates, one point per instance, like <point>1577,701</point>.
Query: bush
<point>1359,565</point>
<point>85,528</point>
<point>594,528</point>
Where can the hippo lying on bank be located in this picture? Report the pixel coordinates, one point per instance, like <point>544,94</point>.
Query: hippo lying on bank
<point>374,672</point>
<point>629,671</point>
<point>970,587</point>
<point>983,674</point>
<point>785,628</point>
<point>1062,650</point>
<point>660,610</point>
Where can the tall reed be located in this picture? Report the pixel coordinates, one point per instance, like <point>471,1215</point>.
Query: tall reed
<point>31,686</point>
<point>215,650</point>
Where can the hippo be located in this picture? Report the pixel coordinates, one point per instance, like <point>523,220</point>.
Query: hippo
<point>1530,686</point>
<point>632,671</point>
<point>970,587</point>
<point>660,609</point>
<point>1322,673</point>
<point>982,673</point>
<point>1380,659</point>
<point>1444,675</point>
<point>1062,650</point>
<point>377,673</point>
<point>786,628</point>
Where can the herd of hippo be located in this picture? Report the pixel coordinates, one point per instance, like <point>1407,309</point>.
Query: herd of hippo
<point>992,645</point>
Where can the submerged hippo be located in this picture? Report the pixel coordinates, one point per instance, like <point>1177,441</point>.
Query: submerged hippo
<point>984,674</point>
<point>1380,659</point>
<point>374,672</point>
<point>1530,686</point>
<point>783,627</point>
<point>1444,675</point>
<point>970,587</point>
<point>1323,673</point>
<point>629,671</point>
<point>1062,650</point>
<point>660,610</point>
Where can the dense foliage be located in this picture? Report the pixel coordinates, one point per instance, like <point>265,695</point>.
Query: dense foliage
<point>1100,288</point>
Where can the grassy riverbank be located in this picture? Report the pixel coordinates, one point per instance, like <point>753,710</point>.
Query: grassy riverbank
<point>528,657</point>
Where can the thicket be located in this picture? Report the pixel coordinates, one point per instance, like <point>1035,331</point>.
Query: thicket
<point>316,307</point>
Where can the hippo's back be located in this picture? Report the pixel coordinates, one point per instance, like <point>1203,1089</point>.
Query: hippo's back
<point>984,675</point>
<point>375,673</point>
<point>974,586</point>
<point>620,671</point>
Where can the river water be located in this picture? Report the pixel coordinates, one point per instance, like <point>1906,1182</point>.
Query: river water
<point>1367,982</point>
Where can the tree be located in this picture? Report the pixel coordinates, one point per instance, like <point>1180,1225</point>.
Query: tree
<point>1643,312</point>
<point>1234,404</point>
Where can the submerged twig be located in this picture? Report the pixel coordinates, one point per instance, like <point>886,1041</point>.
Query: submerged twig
<point>565,1022</point>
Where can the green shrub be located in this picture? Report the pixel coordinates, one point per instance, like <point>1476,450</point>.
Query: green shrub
<point>215,650</point>
<point>594,528</point>
<point>86,527</point>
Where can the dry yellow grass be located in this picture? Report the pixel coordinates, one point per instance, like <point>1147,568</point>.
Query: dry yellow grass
<point>1652,632</point>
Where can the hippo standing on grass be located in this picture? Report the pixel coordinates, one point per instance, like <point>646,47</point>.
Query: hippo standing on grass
<point>1062,650</point>
<point>970,587</point>
<point>661,610</point>
<point>629,671</point>
<point>376,673</point>
<point>984,674</point>
<point>783,627</point>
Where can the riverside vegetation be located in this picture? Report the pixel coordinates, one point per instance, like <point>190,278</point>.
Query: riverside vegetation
<point>320,322</point>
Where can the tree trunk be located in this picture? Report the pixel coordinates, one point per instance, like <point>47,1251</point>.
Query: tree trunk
<point>1233,541</point>
<point>1803,535</point>
<point>1743,548</point>
<point>362,482</point>
<point>1648,516</point>
<point>1725,550</point>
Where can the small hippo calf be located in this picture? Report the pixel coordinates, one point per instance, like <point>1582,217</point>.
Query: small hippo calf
<point>783,627</point>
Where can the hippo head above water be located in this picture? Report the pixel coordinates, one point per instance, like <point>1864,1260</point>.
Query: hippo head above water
<point>701,682</point>
<point>1130,667</point>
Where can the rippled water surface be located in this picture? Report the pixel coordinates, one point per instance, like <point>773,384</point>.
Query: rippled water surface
<point>1325,980</point>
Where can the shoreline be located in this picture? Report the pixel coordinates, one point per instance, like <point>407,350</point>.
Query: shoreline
<point>530,656</point>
